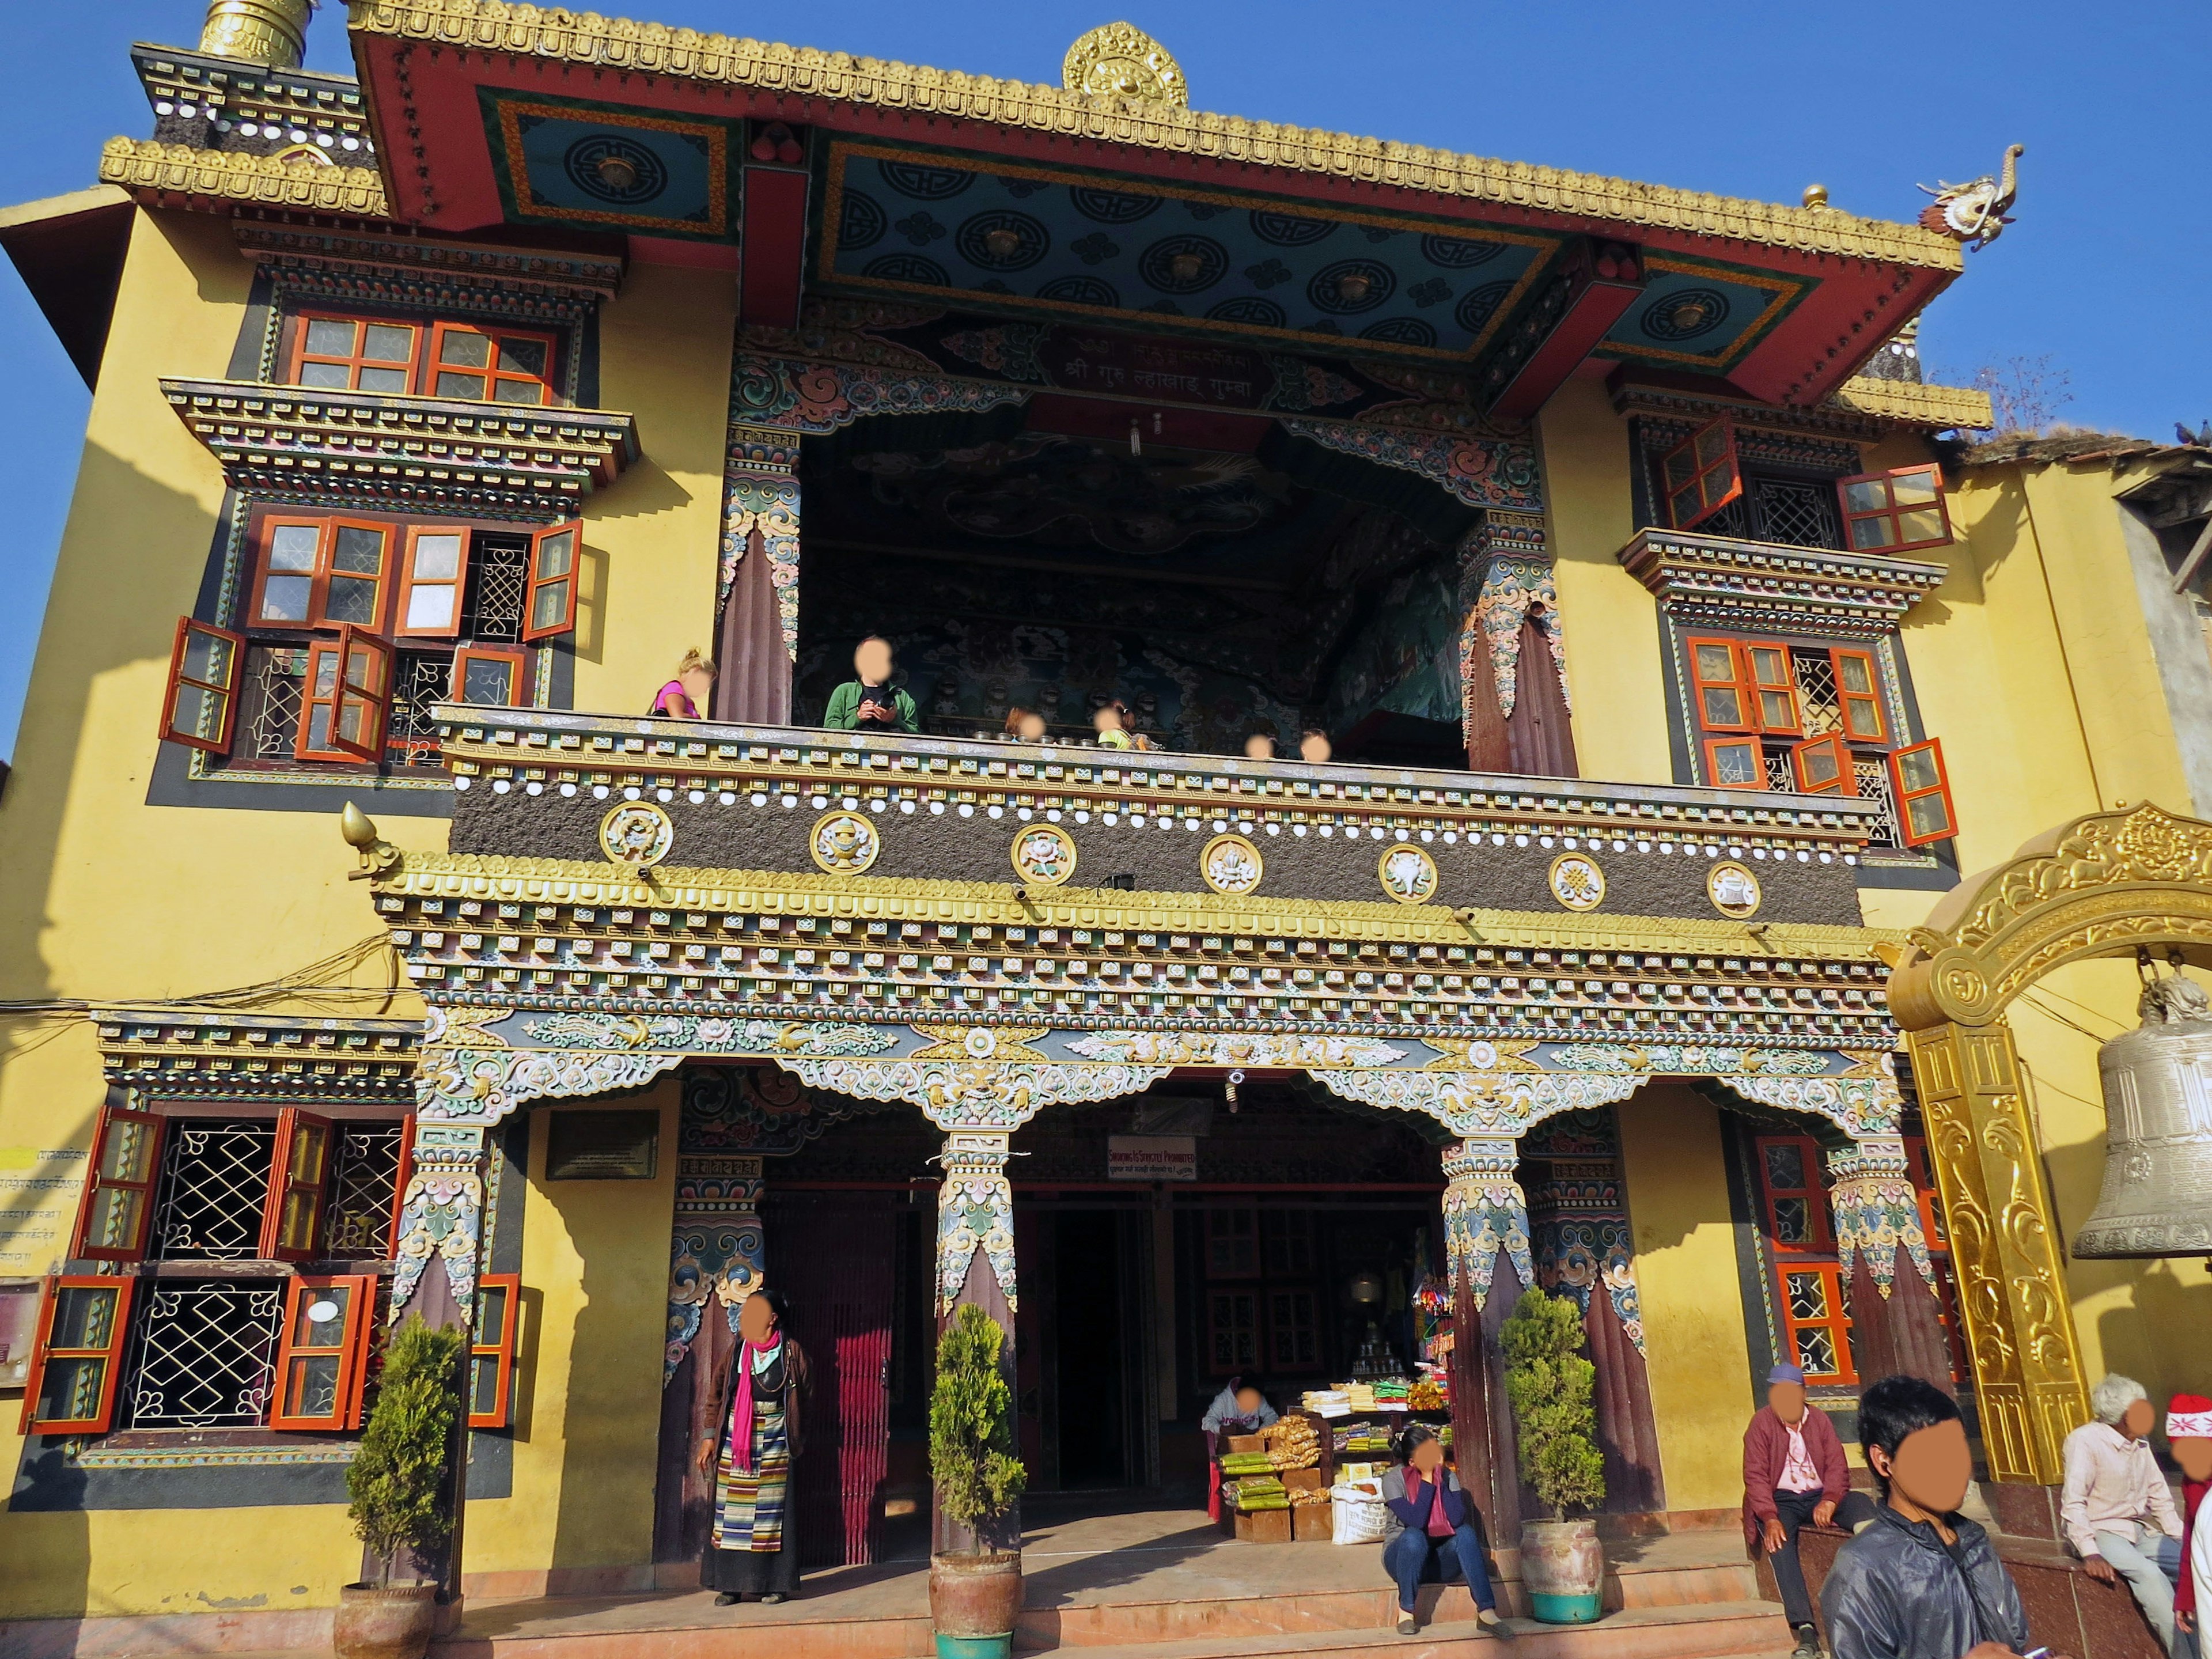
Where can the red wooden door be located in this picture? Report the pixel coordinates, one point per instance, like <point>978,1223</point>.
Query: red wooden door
<point>833,1257</point>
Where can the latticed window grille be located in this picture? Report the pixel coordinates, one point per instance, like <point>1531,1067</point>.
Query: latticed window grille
<point>1791,510</point>
<point>499,581</point>
<point>362,1189</point>
<point>205,1353</point>
<point>215,1185</point>
<point>1779,775</point>
<point>1872,773</point>
<point>1815,672</point>
<point>420,680</point>
<point>275,685</point>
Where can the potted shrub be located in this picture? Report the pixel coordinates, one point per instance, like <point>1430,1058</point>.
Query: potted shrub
<point>398,1486</point>
<point>975,1592</point>
<point>1548,1384</point>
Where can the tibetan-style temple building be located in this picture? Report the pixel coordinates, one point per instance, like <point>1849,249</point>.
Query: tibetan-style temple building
<point>1573,666</point>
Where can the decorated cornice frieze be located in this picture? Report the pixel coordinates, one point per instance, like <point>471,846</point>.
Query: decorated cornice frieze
<point>178,1054</point>
<point>1718,581</point>
<point>361,267</point>
<point>179,175</point>
<point>623,47</point>
<point>242,104</point>
<point>297,443</point>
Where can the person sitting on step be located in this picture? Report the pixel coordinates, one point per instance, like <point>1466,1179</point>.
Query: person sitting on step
<point>1794,1472</point>
<point>1431,1536</point>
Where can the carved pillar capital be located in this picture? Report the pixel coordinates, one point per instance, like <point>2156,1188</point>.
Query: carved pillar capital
<point>975,1211</point>
<point>1484,1212</point>
<point>1877,1213</point>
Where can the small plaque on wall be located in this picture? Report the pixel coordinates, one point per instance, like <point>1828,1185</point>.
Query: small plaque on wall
<point>603,1145</point>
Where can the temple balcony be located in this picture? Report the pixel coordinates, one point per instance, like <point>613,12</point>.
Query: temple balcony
<point>510,461</point>
<point>753,871</point>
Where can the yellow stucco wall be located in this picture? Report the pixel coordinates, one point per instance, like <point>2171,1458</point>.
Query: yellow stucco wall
<point>1685,1274</point>
<point>595,1279</point>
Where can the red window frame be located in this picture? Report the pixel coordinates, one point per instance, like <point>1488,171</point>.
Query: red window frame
<point>1704,679</point>
<point>1824,766</point>
<point>1700,475</point>
<point>491,1353</point>
<point>451,587</point>
<point>126,1163</point>
<point>515,662</point>
<point>108,1353</point>
<point>211,682</point>
<point>1914,785</point>
<point>1247,1340</point>
<point>557,556</point>
<point>299,1187</point>
<point>362,705</point>
<point>1726,755</point>
<point>327,529</point>
<point>355,361</point>
<point>1814,1192</point>
<point>1859,708</point>
<point>1836,1321</point>
<point>1896,511</point>
<point>305,1356</point>
<point>494,372</point>
<point>1772,679</point>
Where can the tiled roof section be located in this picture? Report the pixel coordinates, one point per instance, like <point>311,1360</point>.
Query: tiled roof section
<point>1938,407</point>
<point>2067,446</point>
<point>546,34</point>
<point>152,170</point>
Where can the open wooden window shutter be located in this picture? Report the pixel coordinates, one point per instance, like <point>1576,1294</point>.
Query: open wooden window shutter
<point>115,1221</point>
<point>201,710</point>
<point>1700,475</point>
<point>322,1361</point>
<point>299,1178</point>
<point>77,1361</point>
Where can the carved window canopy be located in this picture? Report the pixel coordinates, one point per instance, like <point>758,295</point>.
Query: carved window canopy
<point>290,443</point>
<point>1717,581</point>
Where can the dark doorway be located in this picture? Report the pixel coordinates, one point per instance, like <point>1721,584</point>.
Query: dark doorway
<point>1087,1291</point>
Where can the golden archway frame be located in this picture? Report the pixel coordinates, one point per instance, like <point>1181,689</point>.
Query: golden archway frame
<point>2104,884</point>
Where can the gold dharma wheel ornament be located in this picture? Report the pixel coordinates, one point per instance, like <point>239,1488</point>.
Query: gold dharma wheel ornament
<point>1122,60</point>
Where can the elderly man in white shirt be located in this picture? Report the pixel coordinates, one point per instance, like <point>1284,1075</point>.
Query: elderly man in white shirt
<point>2116,1508</point>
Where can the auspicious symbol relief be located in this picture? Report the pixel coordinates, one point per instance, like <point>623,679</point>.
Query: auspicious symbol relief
<point>1044,855</point>
<point>1234,1048</point>
<point>1408,873</point>
<point>636,833</point>
<point>1576,882</point>
<point>1232,864</point>
<point>844,843</point>
<point>1733,889</point>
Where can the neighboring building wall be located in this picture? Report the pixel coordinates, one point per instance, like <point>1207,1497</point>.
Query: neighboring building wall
<point>1692,1301</point>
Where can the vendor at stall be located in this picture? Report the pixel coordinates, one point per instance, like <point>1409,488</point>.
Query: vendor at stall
<point>1239,1408</point>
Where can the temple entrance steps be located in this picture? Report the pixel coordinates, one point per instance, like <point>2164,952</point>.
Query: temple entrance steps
<point>1161,1584</point>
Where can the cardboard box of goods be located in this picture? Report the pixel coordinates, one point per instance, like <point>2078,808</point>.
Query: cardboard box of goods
<point>1264,1526</point>
<point>1303,1479</point>
<point>1314,1523</point>
<point>1246,1443</point>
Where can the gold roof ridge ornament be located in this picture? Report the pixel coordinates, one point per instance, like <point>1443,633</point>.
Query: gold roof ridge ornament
<point>1121,59</point>
<point>1974,213</point>
<point>271,32</point>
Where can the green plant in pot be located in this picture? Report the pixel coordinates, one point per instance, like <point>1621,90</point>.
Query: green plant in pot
<point>975,1592</point>
<point>1549,1384</point>
<point>400,1490</point>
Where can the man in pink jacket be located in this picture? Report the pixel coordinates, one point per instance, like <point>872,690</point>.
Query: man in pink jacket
<point>1794,1472</point>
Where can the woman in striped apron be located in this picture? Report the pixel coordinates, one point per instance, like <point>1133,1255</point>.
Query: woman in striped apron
<point>753,1547</point>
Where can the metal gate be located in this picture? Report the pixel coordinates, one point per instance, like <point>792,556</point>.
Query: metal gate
<point>833,1256</point>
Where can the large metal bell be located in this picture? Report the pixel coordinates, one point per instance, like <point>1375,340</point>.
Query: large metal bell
<point>2157,1195</point>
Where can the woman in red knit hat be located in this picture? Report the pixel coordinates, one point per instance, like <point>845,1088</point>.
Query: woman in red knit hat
<point>2188,1435</point>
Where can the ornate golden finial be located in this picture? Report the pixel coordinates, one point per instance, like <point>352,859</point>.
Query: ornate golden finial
<point>273,31</point>
<point>1816,196</point>
<point>377,855</point>
<point>1122,58</point>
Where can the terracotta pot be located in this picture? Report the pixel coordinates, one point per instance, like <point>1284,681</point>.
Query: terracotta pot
<point>392,1621</point>
<point>1563,1570</point>
<point>974,1600</point>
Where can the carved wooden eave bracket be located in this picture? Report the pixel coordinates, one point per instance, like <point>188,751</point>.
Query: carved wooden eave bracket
<point>298,443</point>
<point>2107,884</point>
<point>1718,581</point>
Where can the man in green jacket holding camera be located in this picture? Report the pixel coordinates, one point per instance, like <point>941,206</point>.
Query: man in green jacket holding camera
<point>870,703</point>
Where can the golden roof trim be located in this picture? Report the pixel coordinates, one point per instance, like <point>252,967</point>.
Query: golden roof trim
<point>897,898</point>
<point>147,165</point>
<point>560,36</point>
<point>1937,407</point>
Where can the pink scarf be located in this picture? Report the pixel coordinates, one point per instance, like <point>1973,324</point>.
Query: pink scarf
<point>741,1413</point>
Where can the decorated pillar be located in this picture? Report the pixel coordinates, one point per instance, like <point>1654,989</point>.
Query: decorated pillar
<point>1486,1225</point>
<point>1889,1280</point>
<point>1517,710</point>
<point>757,592</point>
<point>2028,1385</point>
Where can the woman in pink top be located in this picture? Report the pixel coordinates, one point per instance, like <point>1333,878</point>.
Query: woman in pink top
<point>683,697</point>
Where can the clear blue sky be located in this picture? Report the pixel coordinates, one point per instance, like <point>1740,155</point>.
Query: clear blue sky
<point>2108,269</point>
